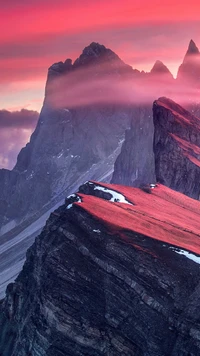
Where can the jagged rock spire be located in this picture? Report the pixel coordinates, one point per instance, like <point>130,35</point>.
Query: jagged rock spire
<point>189,70</point>
<point>192,52</point>
<point>192,48</point>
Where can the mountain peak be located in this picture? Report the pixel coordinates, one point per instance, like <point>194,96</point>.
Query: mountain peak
<point>160,68</point>
<point>94,49</point>
<point>192,52</point>
<point>95,52</point>
<point>192,48</point>
<point>96,55</point>
<point>189,70</point>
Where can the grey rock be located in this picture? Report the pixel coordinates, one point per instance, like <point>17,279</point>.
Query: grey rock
<point>177,147</point>
<point>135,164</point>
<point>70,144</point>
<point>86,291</point>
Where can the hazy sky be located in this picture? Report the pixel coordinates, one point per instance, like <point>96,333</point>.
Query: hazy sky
<point>36,33</point>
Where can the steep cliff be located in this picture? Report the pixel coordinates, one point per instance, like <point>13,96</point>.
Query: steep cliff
<point>135,164</point>
<point>112,273</point>
<point>78,135</point>
<point>88,106</point>
<point>177,147</point>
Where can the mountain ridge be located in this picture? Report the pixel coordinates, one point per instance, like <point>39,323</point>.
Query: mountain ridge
<point>113,271</point>
<point>66,299</point>
<point>72,144</point>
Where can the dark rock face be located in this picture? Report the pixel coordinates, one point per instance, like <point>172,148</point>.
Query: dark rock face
<point>88,106</point>
<point>85,290</point>
<point>135,164</point>
<point>71,144</point>
<point>177,147</point>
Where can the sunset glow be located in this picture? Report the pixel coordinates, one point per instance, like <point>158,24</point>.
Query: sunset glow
<point>36,34</point>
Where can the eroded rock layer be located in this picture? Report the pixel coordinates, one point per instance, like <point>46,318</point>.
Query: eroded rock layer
<point>109,276</point>
<point>177,147</point>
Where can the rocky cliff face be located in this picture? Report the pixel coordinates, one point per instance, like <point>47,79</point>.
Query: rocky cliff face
<point>109,276</point>
<point>74,140</point>
<point>88,106</point>
<point>135,164</point>
<point>177,147</point>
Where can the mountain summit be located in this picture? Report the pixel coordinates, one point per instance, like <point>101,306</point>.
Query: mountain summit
<point>98,55</point>
<point>95,50</point>
<point>189,70</point>
<point>160,68</point>
<point>192,49</point>
<point>71,138</point>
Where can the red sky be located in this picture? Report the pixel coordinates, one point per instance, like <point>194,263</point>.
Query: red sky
<point>36,33</point>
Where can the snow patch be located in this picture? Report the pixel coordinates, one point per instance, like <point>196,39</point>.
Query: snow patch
<point>60,154</point>
<point>30,176</point>
<point>69,206</point>
<point>153,185</point>
<point>71,196</point>
<point>98,231</point>
<point>121,141</point>
<point>187,254</point>
<point>78,200</point>
<point>116,197</point>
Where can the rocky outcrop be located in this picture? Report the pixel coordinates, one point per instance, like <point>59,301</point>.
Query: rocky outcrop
<point>88,106</point>
<point>135,164</point>
<point>76,137</point>
<point>177,147</point>
<point>109,276</point>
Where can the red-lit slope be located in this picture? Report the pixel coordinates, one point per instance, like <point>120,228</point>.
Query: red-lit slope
<point>163,215</point>
<point>180,115</point>
<point>101,279</point>
<point>177,147</point>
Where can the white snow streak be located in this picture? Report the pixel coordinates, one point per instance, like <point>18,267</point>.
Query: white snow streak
<point>116,197</point>
<point>60,154</point>
<point>187,254</point>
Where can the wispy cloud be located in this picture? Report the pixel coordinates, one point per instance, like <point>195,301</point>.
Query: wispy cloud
<point>15,130</point>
